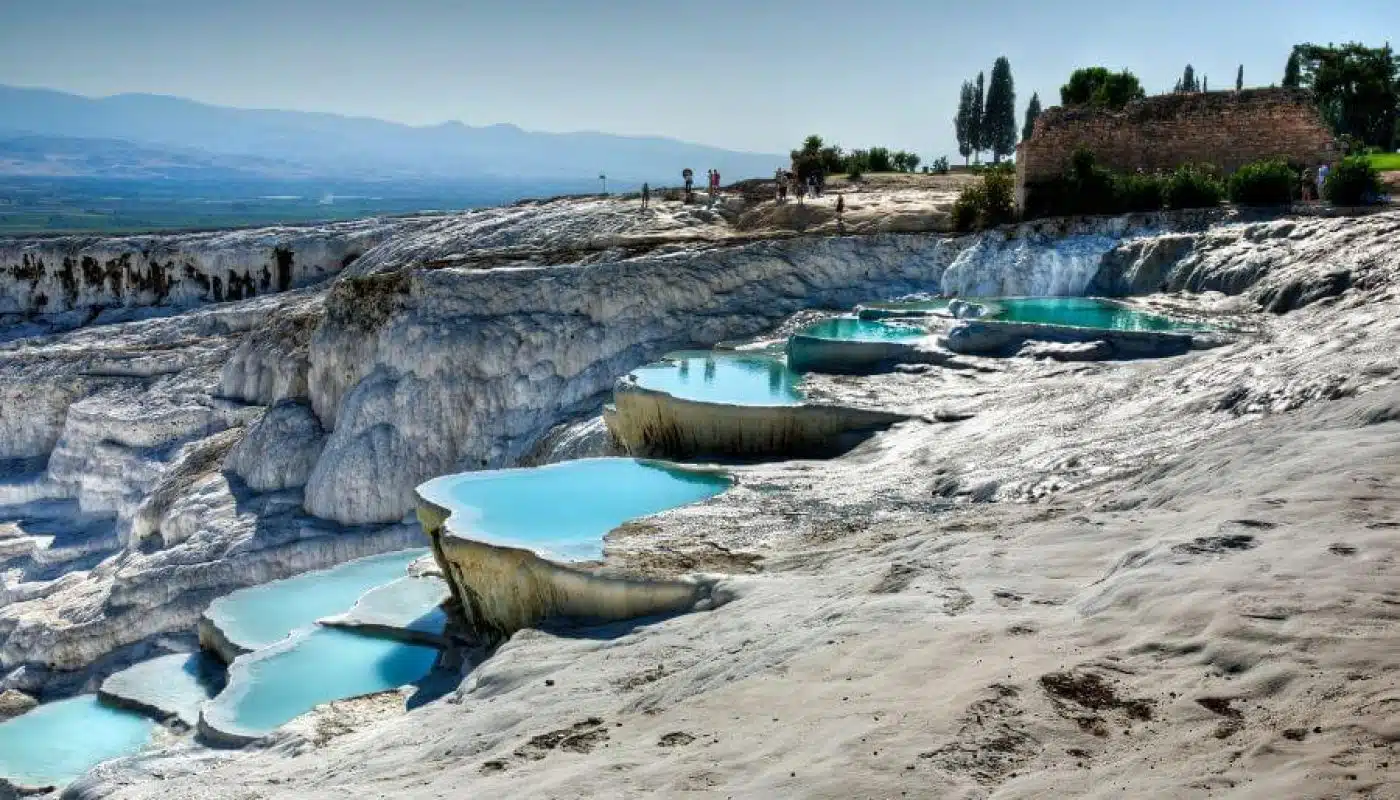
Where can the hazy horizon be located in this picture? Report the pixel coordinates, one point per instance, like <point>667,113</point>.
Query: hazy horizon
<point>725,75</point>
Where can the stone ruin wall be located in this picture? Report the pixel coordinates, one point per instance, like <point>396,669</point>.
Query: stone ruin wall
<point>1225,129</point>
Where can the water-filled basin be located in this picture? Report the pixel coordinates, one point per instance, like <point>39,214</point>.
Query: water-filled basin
<point>1082,312</point>
<point>272,686</point>
<point>854,329</point>
<point>57,742</point>
<point>563,510</point>
<point>261,615</point>
<point>712,377</point>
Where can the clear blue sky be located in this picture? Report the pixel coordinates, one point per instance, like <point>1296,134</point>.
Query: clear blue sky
<point>744,74</point>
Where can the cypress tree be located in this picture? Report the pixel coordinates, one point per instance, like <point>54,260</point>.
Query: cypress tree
<point>1188,82</point>
<point>977,134</point>
<point>1293,71</point>
<point>962,123</point>
<point>1239,79</point>
<point>1032,111</point>
<point>999,117</point>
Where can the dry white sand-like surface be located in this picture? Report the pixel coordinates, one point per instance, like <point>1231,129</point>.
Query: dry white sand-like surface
<point>1172,578</point>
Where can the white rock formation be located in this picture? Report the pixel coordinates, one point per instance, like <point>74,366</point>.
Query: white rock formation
<point>280,448</point>
<point>421,360</point>
<point>51,276</point>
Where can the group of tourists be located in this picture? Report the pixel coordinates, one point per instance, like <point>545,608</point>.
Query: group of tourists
<point>788,182</point>
<point>1313,178</point>
<point>711,181</point>
<point>688,175</point>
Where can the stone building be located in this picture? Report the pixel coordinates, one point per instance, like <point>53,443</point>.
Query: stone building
<point>1223,129</point>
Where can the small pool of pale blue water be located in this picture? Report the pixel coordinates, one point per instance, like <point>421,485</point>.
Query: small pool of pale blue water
<point>1082,312</point>
<point>176,684</point>
<point>563,510</point>
<point>261,615</point>
<point>854,329</point>
<point>271,687</point>
<point>56,742</point>
<point>733,378</point>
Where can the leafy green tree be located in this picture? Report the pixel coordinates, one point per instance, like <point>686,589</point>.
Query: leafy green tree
<point>1032,113</point>
<point>857,162</point>
<point>999,117</point>
<point>911,162</point>
<point>1293,71</point>
<point>1357,88</point>
<point>1239,79</point>
<point>962,123</point>
<point>1096,86</point>
<point>807,161</point>
<point>878,159</point>
<point>978,135</point>
<point>832,159</point>
<point>897,159</point>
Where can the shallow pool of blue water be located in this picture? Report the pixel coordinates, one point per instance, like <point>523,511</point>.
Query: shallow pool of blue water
<point>854,329</point>
<point>57,742</point>
<point>261,615</point>
<point>271,687</point>
<point>734,378</point>
<point>563,510</point>
<point>1082,312</point>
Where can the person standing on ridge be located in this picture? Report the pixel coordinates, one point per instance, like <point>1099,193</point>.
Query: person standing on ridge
<point>646,195</point>
<point>689,177</point>
<point>715,178</point>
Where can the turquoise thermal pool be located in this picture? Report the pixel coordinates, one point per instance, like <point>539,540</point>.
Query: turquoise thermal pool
<point>854,329</point>
<point>564,510</point>
<point>732,378</point>
<point>57,742</point>
<point>1082,312</point>
<point>272,686</point>
<point>261,615</point>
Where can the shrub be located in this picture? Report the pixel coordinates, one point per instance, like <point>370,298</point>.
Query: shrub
<point>968,207</point>
<point>940,165</point>
<point>990,202</point>
<point>998,197</point>
<point>1192,187</point>
<point>854,173</point>
<point>1353,182</point>
<point>1137,192</point>
<point>1263,183</point>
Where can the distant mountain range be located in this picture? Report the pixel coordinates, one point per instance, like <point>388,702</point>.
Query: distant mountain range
<point>55,134</point>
